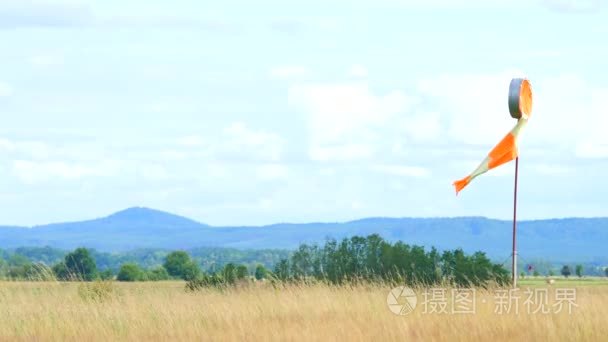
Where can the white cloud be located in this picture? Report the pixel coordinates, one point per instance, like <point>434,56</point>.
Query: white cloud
<point>272,172</point>
<point>346,152</point>
<point>49,171</point>
<point>6,144</point>
<point>5,90</point>
<point>358,70</point>
<point>568,112</point>
<point>44,13</point>
<point>474,107</point>
<point>295,25</point>
<point>327,171</point>
<point>239,141</point>
<point>338,109</point>
<point>288,71</point>
<point>401,170</point>
<point>190,141</point>
<point>561,113</point>
<point>31,149</point>
<point>236,142</point>
<point>456,3</point>
<point>78,13</point>
<point>344,118</point>
<point>153,172</point>
<point>551,169</point>
<point>32,172</point>
<point>174,154</point>
<point>356,205</point>
<point>574,5</point>
<point>265,204</point>
<point>557,5</point>
<point>45,60</point>
<point>592,150</point>
<point>423,127</point>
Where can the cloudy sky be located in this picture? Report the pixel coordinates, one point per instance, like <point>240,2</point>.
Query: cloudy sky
<point>242,112</point>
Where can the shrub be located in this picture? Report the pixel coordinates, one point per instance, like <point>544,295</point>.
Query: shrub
<point>130,272</point>
<point>179,264</point>
<point>158,273</point>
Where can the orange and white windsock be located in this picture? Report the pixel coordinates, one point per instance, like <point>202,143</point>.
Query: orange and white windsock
<point>520,107</point>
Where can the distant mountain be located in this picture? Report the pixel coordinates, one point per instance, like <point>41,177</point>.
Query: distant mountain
<point>573,238</point>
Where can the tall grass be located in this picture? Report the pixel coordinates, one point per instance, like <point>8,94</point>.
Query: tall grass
<point>165,311</point>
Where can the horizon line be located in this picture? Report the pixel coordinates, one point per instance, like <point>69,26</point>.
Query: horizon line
<point>148,209</point>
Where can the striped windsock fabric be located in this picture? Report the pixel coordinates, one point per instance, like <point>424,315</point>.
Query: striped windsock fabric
<point>520,106</point>
<point>504,152</point>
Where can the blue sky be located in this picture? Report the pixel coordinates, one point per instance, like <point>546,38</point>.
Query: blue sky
<point>239,112</point>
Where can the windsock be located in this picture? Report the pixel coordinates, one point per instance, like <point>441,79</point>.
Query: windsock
<point>520,107</point>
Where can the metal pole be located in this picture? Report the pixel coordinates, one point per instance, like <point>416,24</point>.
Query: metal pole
<point>514,266</point>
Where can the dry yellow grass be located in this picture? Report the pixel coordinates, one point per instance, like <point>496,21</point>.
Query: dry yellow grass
<point>164,311</point>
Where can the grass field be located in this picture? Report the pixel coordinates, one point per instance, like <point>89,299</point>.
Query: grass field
<point>164,311</point>
<point>558,281</point>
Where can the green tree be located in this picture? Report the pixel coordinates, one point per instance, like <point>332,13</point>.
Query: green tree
<point>229,273</point>
<point>130,272</point>
<point>46,255</point>
<point>566,271</point>
<point>157,274</point>
<point>579,270</point>
<point>3,269</point>
<point>306,262</point>
<point>31,271</point>
<point>606,271</point>
<point>179,264</point>
<point>261,272</point>
<point>61,271</point>
<point>106,274</point>
<point>18,260</point>
<point>79,265</point>
<point>191,271</point>
<point>373,265</point>
<point>242,272</point>
<point>373,258</point>
<point>281,270</point>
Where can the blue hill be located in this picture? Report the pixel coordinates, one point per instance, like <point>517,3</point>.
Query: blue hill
<point>573,238</point>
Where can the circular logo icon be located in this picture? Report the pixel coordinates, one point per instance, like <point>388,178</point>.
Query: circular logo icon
<point>401,300</point>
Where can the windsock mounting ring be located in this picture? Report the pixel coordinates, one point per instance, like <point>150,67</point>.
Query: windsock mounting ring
<point>520,98</point>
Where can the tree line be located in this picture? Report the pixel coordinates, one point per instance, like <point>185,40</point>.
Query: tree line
<point>352,259</point>
<point>372,258</point>
<point>208,258</point>
<point>79,265</point>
